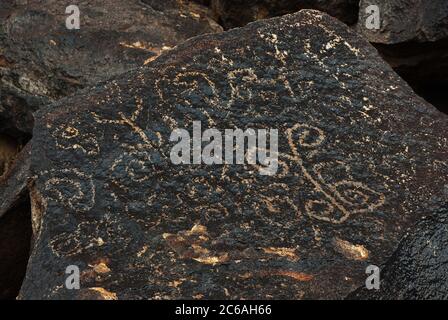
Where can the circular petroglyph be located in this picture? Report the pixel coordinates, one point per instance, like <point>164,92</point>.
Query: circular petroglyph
<point>135,166</point>
<point>72,188</point>
<point>69,137</point>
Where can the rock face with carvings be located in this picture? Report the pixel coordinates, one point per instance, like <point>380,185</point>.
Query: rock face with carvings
<point>42,61</point>
<point>238,13</point>
<point>360,159</point>
<point>413,34</point>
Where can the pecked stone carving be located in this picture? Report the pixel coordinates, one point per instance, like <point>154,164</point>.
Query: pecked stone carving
<point>360,158</point>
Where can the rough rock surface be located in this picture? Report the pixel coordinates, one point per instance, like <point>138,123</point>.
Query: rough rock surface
<point>424,66</point>
<point>414,40</point>
<point>42,61</point>
<point>406,20</point>
<point>238,13</point>
<point>413,37</point>
<point>419,268</point>
<point>361,158</point>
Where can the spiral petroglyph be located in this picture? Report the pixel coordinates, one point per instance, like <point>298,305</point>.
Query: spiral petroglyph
<point>341,199</point>
<point>71,188</point>
<point>134,166</point>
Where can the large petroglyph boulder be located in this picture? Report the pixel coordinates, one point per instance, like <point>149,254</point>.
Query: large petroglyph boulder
<point>361,158</point>
<point>238,13</point>
<point>42,61</point>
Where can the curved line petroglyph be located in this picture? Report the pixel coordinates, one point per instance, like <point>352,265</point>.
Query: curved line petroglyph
<point>191,85</point>
<point>333,198</point>
<point>69,137</point>
<point>131,122</point>
<point>74,189</point>
<point>337,202</point>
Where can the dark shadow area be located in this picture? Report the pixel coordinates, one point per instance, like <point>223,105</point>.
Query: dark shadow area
<point>15,242</point>
<point>18,121</point>
<point>238,13</point>
<point>9,148</point>
<point>424,66</point>
<point>435,92</point>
